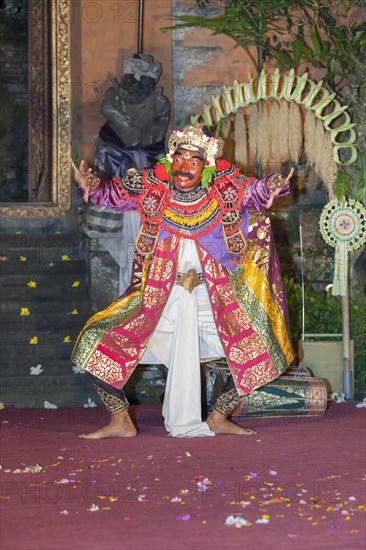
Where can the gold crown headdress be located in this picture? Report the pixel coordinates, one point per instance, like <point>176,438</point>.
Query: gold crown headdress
<point>193,139</point>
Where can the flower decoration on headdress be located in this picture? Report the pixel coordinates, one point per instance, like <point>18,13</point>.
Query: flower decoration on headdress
<point>195,138</point>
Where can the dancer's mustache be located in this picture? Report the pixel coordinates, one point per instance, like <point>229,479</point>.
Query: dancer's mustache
<point>183,174</point>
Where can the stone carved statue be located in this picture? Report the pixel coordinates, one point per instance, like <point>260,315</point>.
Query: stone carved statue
<point>133,136</point>
<point>137,116</point>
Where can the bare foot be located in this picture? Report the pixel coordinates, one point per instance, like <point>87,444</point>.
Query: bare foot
<point>220,424</point>
<point>120,425</point>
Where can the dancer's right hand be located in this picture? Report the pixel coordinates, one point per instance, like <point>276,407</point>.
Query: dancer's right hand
<point>85,178</point>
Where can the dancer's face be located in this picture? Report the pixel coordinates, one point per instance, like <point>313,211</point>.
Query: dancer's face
<point>187,168</point>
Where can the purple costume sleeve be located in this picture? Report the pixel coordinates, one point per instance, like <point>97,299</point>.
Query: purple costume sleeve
<point>257,194</point>
<point>108,194</point>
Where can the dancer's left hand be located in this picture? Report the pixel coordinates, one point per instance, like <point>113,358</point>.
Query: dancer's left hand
<point>275,185</point>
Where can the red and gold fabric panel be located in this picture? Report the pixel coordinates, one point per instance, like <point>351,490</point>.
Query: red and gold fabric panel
<point>114,340</point>
<point>249,310</point>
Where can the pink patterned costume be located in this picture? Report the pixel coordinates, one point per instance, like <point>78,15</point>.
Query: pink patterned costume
<point>235,265</point>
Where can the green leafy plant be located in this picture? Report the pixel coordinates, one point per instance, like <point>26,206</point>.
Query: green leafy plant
<point>250,24</point>
<point>341,186</point>
<point>327,34</point>
<point>359,177</point>
<point>292,32</point>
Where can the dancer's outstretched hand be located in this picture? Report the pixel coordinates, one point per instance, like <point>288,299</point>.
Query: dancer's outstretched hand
<point>85,178</point>
<point>275,185</point>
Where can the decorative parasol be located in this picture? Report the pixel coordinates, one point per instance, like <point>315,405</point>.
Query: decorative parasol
<point>343,226</point>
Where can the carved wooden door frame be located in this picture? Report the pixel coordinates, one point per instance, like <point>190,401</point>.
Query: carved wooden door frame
<point>49,124</point>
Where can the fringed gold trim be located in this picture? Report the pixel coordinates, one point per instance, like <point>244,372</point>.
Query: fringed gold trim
<point>240,139</point>
<point>274,124</point>
<point>324,164</point>
<point>309,141</point>
<point>283,131</point>
<point>295,127</point>
<point>264,150</point>
<point>251,120</point>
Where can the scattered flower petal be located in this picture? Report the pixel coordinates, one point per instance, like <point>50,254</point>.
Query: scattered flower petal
<point>185,517</point>
<point>33,469</point>
<point>67,340</point>
<point>65,258</point>
<point>23,258</point>
<point>75,284</point>
<point>262,521</point>
<point>206,481</point>
<point>24,311</point>
<point>236,521</point>
<point>73,312</point>
<point>48,405</point>
<point>90,403</point>
<point>272,473</point>
<point>338,397</point>
<point>64,512</point>
<point>77,370</point>
<point>93,508</point>
<point>35,371</point>
<point>32,284</point>
<point>33,340</point>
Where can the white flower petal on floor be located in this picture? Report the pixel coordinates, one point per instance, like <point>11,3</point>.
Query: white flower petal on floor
<point>35,371</point>
<point>48,405</point>
<point>90,403</point>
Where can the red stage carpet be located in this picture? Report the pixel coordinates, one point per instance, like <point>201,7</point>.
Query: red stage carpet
<point>299,484</point>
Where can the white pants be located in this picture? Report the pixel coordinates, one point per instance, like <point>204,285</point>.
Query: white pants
<point>186,333</point>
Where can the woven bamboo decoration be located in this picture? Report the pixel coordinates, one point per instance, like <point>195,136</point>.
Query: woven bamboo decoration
<point>296,131</point>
